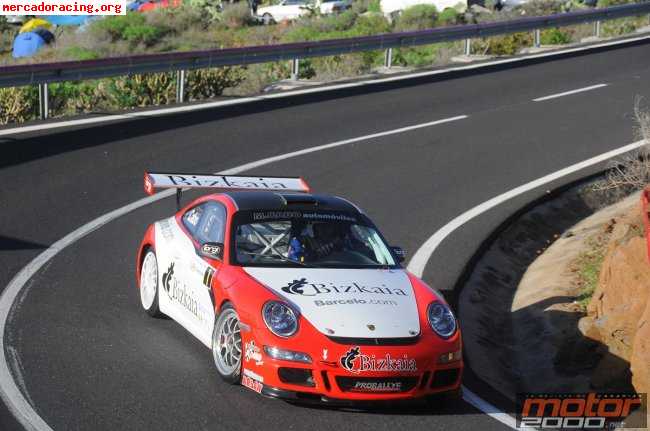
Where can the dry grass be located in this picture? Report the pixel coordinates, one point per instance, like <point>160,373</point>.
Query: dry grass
<point>632,170</point>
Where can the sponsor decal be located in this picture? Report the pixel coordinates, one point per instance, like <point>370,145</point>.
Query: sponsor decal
<point>324,354</point>
<point>305,288</point>
<point>354,301</point>
<point>179,293</point>
<point>166,229</point>
<point>211,249</point>
<point>276,215</point>
<point>377,387</point>
<point>590,411</point>
<point>252,352</point>
<point>225,181</point>
<point>252,380</point>
<point>356,362</point>
<point>281,215</point>
<point>207,276</point>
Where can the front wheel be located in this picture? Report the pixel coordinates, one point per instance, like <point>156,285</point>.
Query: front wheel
<point>149,284</point>
<point>267,19</point>
<point>227,345</point>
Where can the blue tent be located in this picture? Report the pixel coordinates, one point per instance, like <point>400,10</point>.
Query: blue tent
<point>27,44</point>
<point>67,19</point>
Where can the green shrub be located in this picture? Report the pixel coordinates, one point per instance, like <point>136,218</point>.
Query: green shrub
<point>370,24</point>
<point>209,9</point>
<point>18,105</point>
<point>334,22</point>
<point>81,53</point>
<point>237,15</point>
<point>141,90</point>
<point>608,3</point>
<point>209,83</point>
<point>554,36</point>
<point>620,27</point>
<point>374,6</point>
<point>145,34</point>
<point>503,45</point>
<point>419,17</point>
<point>179,19</point>
<point>7,38</point>
<point>67,98</point>
<point>359,6</point>
<point>449,16</point>
<point>416,56</point>
<point>115,26</point>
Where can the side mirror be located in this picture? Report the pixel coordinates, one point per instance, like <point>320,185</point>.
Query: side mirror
<point>400,253</point>
<point>212,250</point>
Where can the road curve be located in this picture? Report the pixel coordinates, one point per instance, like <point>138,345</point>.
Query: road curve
<point>84,354</point>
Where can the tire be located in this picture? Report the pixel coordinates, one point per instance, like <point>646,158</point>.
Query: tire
<point>227,345</point>
<point>267,18</point>
<point>149,284</point>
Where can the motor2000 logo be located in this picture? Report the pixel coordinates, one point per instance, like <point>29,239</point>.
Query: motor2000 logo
<point>356,362</point>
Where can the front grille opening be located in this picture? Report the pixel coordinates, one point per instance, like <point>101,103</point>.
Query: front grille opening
<point>377,384</point>
<point>443,378</point>
<point>397,341</point>
<point>326,380</point>
<point>296,376</point>
<point>425,379</point>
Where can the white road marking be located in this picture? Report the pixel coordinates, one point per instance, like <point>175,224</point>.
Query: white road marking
<point>421,257</point>
<point>243,100</point>
<point>567,93</point>
<point>487,408</point>
<point>9,391</point>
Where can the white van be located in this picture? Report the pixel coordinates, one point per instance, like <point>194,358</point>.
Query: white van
<point>392,8</point>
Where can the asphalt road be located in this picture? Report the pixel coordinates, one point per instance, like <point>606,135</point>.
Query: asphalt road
<point>88,358</point>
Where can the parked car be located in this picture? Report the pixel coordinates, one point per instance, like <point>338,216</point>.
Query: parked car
<point>510,4</point>
<point>16,19</point>
<point>393,8</point>
<point>289,10</point>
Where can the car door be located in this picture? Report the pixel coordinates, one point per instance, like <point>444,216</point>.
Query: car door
<point>206,224</point>
<point>294,9</point>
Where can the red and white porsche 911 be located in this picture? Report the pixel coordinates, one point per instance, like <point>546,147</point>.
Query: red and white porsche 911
<point>297,294</point>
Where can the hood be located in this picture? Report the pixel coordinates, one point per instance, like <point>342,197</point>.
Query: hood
<point>359,303</point>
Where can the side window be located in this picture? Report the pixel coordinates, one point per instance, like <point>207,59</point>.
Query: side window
<point>206,222</point>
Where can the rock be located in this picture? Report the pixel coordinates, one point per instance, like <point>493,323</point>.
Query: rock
<point>622,293</point>
<point>640,361</point>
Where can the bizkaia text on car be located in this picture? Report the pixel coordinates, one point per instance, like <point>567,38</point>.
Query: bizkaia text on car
<point>298,295</point>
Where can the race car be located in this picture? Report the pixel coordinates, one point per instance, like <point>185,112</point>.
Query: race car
<point>297,294</point>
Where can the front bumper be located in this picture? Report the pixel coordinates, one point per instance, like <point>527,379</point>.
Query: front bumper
<point>386,372</point>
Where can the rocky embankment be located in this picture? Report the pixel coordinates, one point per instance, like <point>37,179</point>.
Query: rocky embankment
<point>525,313</point>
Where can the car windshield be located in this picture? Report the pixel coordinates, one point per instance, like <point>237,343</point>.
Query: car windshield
<point>308,238</point>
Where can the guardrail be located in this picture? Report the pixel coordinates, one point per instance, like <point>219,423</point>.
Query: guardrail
<point>179,62</point>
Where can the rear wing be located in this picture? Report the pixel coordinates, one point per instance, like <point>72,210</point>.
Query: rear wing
<point>158,180</point>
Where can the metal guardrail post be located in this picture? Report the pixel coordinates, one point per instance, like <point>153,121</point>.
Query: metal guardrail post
<point>295,69</point>
<point>538,38</point>
<point>43,105</point>
<point>180,86</point>
<point>597,29</point>
<point>388,58</point>
<point>468,47</point>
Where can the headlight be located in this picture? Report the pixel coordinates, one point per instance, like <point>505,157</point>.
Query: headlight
<point>280,318</point>
<point>441,319</point>
<point>287,355</point>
